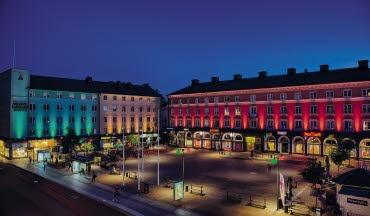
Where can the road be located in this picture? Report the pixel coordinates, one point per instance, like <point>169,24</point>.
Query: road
<point>21,195</point>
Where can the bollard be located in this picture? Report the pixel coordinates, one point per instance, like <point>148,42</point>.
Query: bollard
<point>126,174</point>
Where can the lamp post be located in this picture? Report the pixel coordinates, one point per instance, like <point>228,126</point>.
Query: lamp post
<point>183,161</point>
<point>276,161</point>
<point>123,156</point>
<point>158,148</point>
<point>138,164</point>
<point>142,153</point>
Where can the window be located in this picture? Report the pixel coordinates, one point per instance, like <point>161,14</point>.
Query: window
<point>298,124</point>
<point>94,130</point>
<point>46,120</point>
<point>253,110</point>
<point>330,124</point>
<point>366,125</point>
<point>132,118</point>
<point>179,122</point>
<point>252,98</point>
<point>148,119</point>
<point>270,97</point>
<point>365,92</point>
<point>313,109</point>
<point>313,124</point>
<point>226,99</point>
<point>94,108</point>
<point>197,111</point>
<point>32,107</point>
<point>148,109</point>
<point>71,95</point>
<point>196,100</point>
<point>347,108</point>
<point>105,97</point>
<point>329,94</point>
<point>105,119</point>
<point>93,119</point>
<point>114,98</point>
<point>237,98</point>
<point>94,97</point>
<point>238,123</point>
<point>216,111</point>
<point>270,124</point>
<point>313,95</point>
<point>237,111</point>
<point>365,108</point>
<point>283,110</point>
<point>83,131</point>
<point>347,125</point>
<point>283,96</point>
<point>83,119</point>
<point>216,123</point>
<point>227,122</point>
<point>133,109</point>
<point>124,119</point>
<point>32,93</point>
<point>114,108</point>
<point>140,109</point>
<point>187,111</point>
<point>32,133</point>
<point>226,111</point>
<point>180,111</point>
<point>46,107</point>
<point>197,122</point>
<point>123,98</point>
<point>270,110</point>
<point>298,110</point>
<point>148,100</point>
<point>172,111</point>
<point>115,119</point>
<point>206,100</point>
<point>59,132</point>
<point>123,109</point>
<point>132,99</point>
<point>297,96</point>
<point>59,120</point>
<point>206,122</point>
<point>188,123</point>
<point>140,99</point>
<point>83,96</point>
<point>59,95</point>
<point>83,108</point>
<point>32,120</point>
<point>188,101</point>
<point>71,107</point>
<point>253,124</point>
<point>71,119</point>
<point>105,108</point>
<point>347,93</point>
<point>46,94</point>
<point>329,109</point>
<point>46,132</point>
<point>206,111</point>
<point>215,99</point>
<point>283,124</point>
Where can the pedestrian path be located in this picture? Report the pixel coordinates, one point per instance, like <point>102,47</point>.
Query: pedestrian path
<point>128,203</point>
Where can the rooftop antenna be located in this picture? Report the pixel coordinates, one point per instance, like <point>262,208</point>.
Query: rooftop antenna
<point>13,53</point>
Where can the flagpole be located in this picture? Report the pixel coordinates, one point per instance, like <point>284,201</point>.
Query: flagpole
<point>138,163</point>
<point>158,146</point>
<point>142,153</point>
<point>123,156</point>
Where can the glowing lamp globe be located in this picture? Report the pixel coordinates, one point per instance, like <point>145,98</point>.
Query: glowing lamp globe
<point>128,144</point>
<point>178,152</point>
<point>188,150</point>
<point>274,161</point>
<point>281,158</point>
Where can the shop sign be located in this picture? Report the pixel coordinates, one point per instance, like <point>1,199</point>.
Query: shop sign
<point>19,106</point>
<point>214,130</point>
<point>282,133</point>
<point>178,190</point>
<point>312,134</point>
<point>105,138</point>
<point>357,202</point>
<point>108,145</point>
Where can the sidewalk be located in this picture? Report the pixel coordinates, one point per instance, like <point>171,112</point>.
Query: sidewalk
<point>128,203</point>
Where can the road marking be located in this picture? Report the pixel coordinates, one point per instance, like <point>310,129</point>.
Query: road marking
<point>300,192</point>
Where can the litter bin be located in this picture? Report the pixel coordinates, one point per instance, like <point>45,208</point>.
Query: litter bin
<point>318,211</point>
<point>187,188</point>
<point>146,188</point>
<point>126,174</point>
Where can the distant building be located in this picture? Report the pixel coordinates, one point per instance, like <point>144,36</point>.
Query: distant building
<point>35,111</point>
<point>297,113</point>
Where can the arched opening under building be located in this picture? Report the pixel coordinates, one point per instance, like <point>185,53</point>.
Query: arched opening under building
<point>188,139</point>
<point>197,140</point>
<point>313,146</point>
<point>330,144</point>
<point>207,141</point>
<point>271,143</point>
<point>216,141</point>
<point>298,145</point>
<point>238,142</point>
<point>227,142</point>
<point>364,149</point>
<point>284,142</point>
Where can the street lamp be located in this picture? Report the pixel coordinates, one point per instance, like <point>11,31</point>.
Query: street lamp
<point>123,156</point>
<point>276,161</point>
<point>183,160</point>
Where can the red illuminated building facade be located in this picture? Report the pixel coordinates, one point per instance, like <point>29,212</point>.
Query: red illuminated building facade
<point>296,113</point>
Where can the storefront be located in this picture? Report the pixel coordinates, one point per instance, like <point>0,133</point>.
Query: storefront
<point>19,150</point>
<point>238,142</point>
<point>197,140</point>
<point>298,145</point>
<point>227,142</point>
<point>364,149</point>
<point>173,138</point>
<point>313,146</point>
<point>330,144</point>
<point>207,141</point>
<point>250,142</point>
<point>284,143</point>
<point>47,145</point>
<point>4,148</point>
<point>216,141</point>
<point>42,155</point>
<point>188,140</point>
<point>77,166</point>
<point>270,143</point>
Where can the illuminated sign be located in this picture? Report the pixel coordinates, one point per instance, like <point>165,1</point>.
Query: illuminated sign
<point>19,106</point>
<point>282,133</point>
<point>105,138</point>
<point>214,130</point>
<point>178,190</point>
<point>312,134</point>
<point>357,202</point>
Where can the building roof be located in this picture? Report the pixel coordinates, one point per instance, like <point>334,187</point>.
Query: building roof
<point>88,85</point>
<point>297,79</point>
<point>355,191</point>
<point>357,177</point>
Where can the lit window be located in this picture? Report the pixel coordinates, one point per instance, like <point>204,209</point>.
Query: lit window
<point>83,96</point>
<point>46,94</point>
<point>206,122</point>
<point>105,108</point>
<point>32,94</point>
<point>226,111</point>
<point>71,95</point>
<point>59,95</point>
<point>366,125</point>
<point>366,92</point>
<point>237,111</point>
<point>94,97</point>
<point>114,108</point>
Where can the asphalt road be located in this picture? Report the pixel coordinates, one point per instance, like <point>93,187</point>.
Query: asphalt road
<point>21,195</point>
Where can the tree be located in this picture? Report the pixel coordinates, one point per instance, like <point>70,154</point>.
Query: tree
<point>314,171</point>
<point>347,145</point>
<point>133,139</point>
<point>342,152</point>
<point>70,141</point>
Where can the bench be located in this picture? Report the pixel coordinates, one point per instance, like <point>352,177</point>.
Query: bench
<point>298,210</point>
<point>257,202</point>
<point>118,172</point>
<point>198,190</point>
<point>233,197</point>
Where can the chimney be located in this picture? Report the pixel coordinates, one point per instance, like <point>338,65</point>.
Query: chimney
<point>363,64</point>
<point>215,79</point>
<point>324,68</point>
<point>262,74</point>
<point>237,76</point>
<point>194,82</point>
<point>88,80</point>
<point>291,71</point>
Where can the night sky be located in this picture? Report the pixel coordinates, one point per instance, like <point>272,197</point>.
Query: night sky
<point>168,43</point>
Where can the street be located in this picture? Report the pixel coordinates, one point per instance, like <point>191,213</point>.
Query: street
<point>23,193</point>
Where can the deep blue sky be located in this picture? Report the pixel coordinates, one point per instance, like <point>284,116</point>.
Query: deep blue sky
<point>168,43</point>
